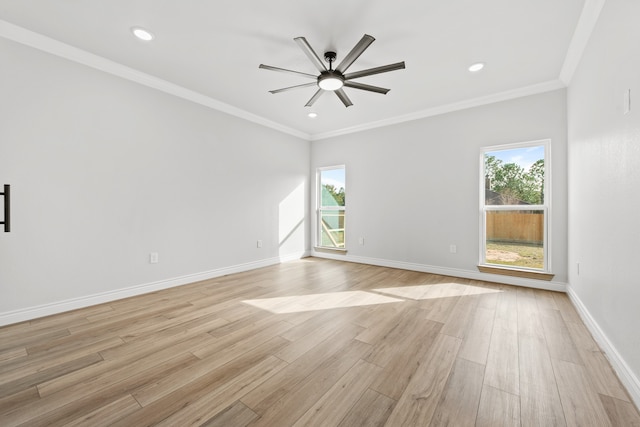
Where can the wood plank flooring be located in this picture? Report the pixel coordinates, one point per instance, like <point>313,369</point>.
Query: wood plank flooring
<point>314,343</point>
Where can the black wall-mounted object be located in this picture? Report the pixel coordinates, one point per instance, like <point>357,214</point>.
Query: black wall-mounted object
<point>7,208</point>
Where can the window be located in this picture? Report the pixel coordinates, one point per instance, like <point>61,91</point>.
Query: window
<point>331,207</point>
<point>514,206</point>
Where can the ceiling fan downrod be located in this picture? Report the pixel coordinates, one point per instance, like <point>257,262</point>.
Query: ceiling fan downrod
<point>330,57</point>
<point>330,80</point>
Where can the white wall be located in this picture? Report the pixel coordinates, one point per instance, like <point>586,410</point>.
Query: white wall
<point>604,186</point>
<point>104,171</point>
<point>413,188</point>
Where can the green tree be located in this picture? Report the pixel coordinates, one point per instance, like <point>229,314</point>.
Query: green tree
<point>335,195</point>
<point>513,183</point>
<point>533,183</point>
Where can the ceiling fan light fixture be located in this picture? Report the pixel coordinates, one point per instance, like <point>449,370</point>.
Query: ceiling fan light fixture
<point>330,80</point>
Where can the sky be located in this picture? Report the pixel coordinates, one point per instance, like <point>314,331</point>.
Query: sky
<point>525,156</point>
<point>334,177</point>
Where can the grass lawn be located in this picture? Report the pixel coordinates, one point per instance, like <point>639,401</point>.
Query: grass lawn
<point>528,256</point>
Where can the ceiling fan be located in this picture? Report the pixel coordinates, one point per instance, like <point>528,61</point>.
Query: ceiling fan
<point>334,80</point>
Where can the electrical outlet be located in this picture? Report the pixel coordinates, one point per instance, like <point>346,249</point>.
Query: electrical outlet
<point>259,244</point>
<point>453,249</point>
<point>153,258</point>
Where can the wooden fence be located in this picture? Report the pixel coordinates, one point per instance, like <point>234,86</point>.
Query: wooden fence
<point>518,227</point>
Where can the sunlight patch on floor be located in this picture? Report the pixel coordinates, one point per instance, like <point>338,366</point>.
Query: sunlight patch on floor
<point>325,301</point>
<point>440,290</point>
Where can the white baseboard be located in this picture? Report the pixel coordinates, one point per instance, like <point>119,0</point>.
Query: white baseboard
<point>624,372</point>
<point>31,313</point>
<point>446,271</point>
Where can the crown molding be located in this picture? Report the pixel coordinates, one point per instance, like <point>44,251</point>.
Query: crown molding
<point>63,50</point>
<point>585,26</point>
<point>586,23</point>
<point>448,108</point>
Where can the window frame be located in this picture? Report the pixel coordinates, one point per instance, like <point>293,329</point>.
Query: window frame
<point>320,209</point>
<point>545,207</point>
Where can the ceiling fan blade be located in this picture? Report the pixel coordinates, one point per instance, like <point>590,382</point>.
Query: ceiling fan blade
<point>356,85</point>
<point>376,70</point>
<point>285,89</point>
<point>314,98</point>
<point>357,50</point>
<point>311,54</point>
<point>284,70</point>
<point>343,97</point>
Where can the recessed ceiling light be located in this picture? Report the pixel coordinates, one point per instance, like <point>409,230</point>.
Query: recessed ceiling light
<point>312,115</point>
<point>142,34</point>
<point>476,67</point>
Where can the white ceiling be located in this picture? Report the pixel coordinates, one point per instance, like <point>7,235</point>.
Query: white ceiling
<point>213,48</point>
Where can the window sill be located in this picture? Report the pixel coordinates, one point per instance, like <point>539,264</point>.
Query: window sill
<point>537,275</point>
<point>340,251</point>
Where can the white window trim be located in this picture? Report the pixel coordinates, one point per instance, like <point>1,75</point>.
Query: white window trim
<point>318,232</point>
<point>547,267</point>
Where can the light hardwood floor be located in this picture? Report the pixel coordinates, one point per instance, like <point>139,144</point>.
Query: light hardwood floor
<point>314,342</point>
